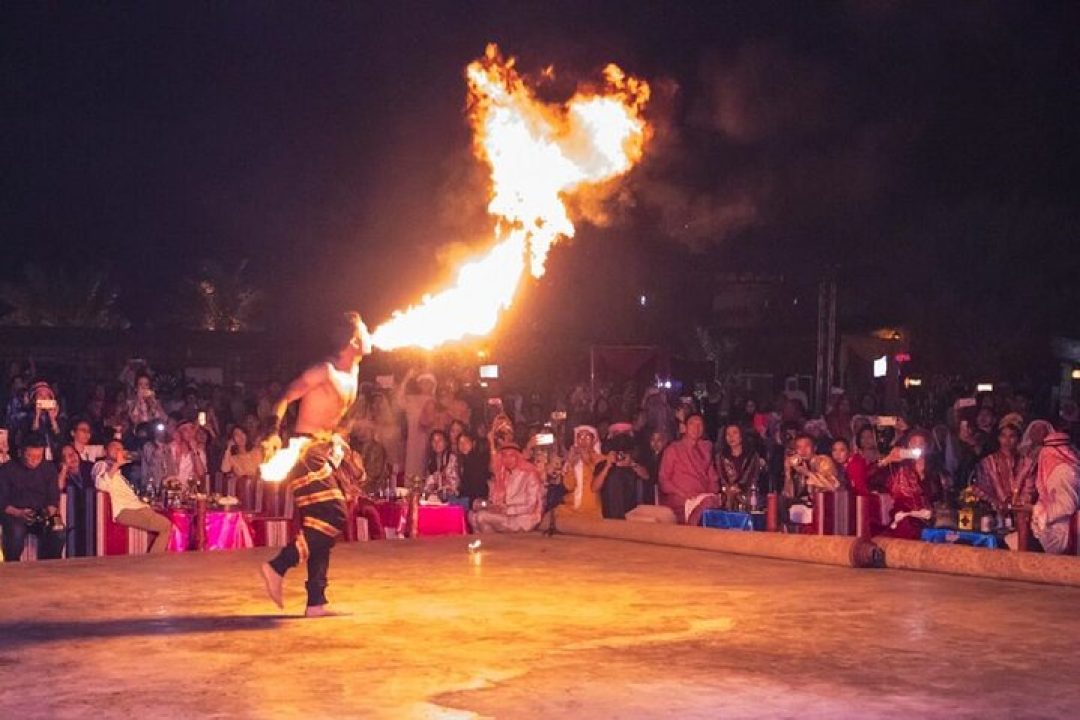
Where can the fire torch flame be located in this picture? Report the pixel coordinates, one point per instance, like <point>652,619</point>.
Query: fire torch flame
<point>277,467</point>
<point>538,153</point>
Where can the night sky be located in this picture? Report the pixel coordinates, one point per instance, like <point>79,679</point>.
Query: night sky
<point>926,153</point>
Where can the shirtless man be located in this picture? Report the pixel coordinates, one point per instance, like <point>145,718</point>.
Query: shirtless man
<point>325,391</point>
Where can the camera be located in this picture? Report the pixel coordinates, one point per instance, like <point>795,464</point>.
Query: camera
<point>46,404</point>
<point>40,520</point>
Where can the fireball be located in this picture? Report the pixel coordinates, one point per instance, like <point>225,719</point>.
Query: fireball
<point>539,154</point>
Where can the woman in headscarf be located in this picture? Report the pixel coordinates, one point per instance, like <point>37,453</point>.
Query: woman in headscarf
<point>580,470</point>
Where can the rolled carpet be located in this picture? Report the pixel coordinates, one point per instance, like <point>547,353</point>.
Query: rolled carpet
<point>980,562</point>
<point>825,549</point>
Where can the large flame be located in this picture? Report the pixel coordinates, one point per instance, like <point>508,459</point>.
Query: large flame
<point>538,153</point>
<point>277,466</point>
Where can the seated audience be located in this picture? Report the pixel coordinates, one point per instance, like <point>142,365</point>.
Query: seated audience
<point>240,467</point>
<point>651,458</point>
<point>582,493</point>
<point>143,405</point>
<point>910,483</point>
<point>45,418</point>
<point>475,469</point>
<point>808,472</point>
<point>127,508</point>
<point>443,476</point>
<point>740,469</point>
<point>689,483</point>
<point>617,477</point>
<point>851,468</point>
<point>82,435</point>
<point>30,503</point>
<point>1058,486</point>
<point>516,494</point>
<point>1005,478</point>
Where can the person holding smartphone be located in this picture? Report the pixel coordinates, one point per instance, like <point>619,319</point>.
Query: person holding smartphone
<point>240,467</point>
<point>618,476</point>
<point>914,479</point>
<point>144,406</point>
<point>46,417</point>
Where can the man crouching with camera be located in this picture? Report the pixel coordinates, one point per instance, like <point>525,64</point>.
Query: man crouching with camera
<point>127,508</point>
<point>30,498</point>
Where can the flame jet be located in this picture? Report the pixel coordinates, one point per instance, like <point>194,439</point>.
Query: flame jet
<point>539,154</point>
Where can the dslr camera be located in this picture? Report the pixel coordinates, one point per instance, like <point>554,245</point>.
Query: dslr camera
<point>41,520</point>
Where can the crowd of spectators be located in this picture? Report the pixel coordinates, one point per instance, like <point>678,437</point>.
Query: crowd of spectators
<point>510,458</point>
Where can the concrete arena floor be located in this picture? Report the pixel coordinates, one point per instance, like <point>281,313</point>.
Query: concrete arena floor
<point>550,628</point>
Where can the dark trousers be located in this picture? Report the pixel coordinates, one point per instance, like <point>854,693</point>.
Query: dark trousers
<point>318,563</point>
<point>328,514</point>
<point>619,494</point>
<point>50,543</point>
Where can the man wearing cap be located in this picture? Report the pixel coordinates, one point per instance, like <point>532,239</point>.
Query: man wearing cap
<point>516,497</point>
<point>29,503</point>
<point>325,391</point>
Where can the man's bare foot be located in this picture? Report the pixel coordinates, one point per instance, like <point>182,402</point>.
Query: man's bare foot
<point>274,583</point>
<point>321,611</point>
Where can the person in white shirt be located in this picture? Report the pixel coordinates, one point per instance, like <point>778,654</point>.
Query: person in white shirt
<point>189,457</point>
<point>515,496</point>
<point>127,508</point>
<point>81,435</point>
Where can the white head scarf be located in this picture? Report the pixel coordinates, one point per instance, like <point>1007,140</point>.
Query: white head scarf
<point>579,462</point>
<point>1027,443</point>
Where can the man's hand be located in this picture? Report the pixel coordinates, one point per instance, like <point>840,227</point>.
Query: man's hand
<point>24,513</point>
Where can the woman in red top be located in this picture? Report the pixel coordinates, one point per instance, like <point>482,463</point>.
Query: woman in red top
<point>912,483</point>
<point>863,461</point>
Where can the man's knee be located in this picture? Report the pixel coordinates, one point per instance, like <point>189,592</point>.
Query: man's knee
<point>159,523</point>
